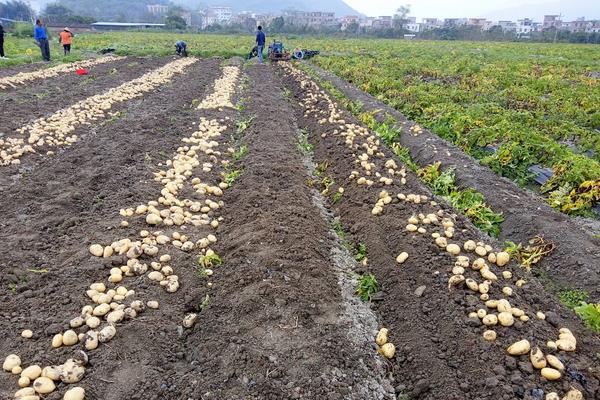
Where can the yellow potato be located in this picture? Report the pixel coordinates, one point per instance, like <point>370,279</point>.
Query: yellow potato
<point>551,374</point>
<point>519,348</point>
<point>382,337</point>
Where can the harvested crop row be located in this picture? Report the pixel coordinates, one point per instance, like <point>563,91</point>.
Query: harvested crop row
<point>224,87</point>
<point>525,214</point>
<point>454,306</point>
<point>138,255</point>
<point>276,326</point>
<point>26,77</point>
<point>28,103</point>
<point>56,130</point>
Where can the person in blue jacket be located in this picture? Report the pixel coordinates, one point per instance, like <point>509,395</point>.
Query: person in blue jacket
<point>261,39</point>
<point>41,39</point>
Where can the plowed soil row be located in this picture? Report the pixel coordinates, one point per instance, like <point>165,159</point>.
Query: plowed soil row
<point>74,198</point>
<point>275,329</point>
<point>574,263</point>
<point>44,97</point>
<point>441,352</point>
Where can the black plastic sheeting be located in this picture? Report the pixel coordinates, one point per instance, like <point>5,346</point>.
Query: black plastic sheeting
<point>541,174</point>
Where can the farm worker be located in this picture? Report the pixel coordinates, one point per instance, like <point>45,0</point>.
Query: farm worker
<point>181,48</point>
<point>41,39</point>
<point>66,37</point>
<point>260,43</point>
<point>2,42</point>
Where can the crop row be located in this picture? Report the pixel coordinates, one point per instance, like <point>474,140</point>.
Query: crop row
<point>187,203</point>
<point>511,114</point>
<point>57,129</point>
<point>478,269</point>
<point>24,77</point>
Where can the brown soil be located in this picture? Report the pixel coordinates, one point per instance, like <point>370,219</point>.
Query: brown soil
<point>69,201</point>
<point>44,97</point>
<point>573,265</point>
<point>281,320</point>
<point>442,353</point>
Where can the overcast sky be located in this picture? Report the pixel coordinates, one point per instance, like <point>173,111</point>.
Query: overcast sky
<point>493,9</point>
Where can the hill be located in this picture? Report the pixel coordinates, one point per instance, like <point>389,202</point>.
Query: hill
<point>276,6</point>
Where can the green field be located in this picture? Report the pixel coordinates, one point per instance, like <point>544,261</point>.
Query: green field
<point>510,105</point>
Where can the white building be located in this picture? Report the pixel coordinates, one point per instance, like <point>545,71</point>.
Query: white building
<point>157,8</point>
<point>221,14</point>
<point>414,27</point>
<point>525,27</point>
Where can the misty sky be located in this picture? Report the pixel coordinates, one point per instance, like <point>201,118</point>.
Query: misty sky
<point>493,9</point>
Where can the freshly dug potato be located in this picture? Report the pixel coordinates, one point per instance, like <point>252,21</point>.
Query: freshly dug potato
<point>489,335</point>
<point>537,358</point>
<point>70,338</point>
<point>502,258</point>
<point>453,249</point>
<point>24,381</point>
<point>540,315</point>
<point>551,374</point>
<point>189,320</point>
<point>455,280</point>
<point>573,394</point>
<point>490,320</point>
<point>471,284</point>
<point>506,319</point>
<point>91,340</point>
<point>402,257</point>
<point>32,372</point>
<point>469,245</point>
<point>555,363</point>
<point>388,350</point>
<point>71,372</point>
<point>43,385</point>
<point>382,336</point>
<point>76,393</point>
<point>519,348</point>
<point>25,392</point>
<point>10,362</point>
<point>107,333</point>
<point>51,372</point>
<point>97,250</point>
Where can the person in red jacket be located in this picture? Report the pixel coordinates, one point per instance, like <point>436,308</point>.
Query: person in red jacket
<point>66,38</point>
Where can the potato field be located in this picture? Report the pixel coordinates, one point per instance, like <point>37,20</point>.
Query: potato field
<point>364,225</point>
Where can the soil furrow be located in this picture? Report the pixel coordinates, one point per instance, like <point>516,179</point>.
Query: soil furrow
<point>274,329</point>
<point>574,263</point>
<point>43,97</point>
<point>441,351</point>
<point>75,198</point>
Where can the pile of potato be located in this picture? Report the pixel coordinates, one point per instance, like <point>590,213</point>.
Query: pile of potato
<point>477,267</point>
<point>111,302</point>
<point>223,90</point>
<point>24,77</point>
<point>57,129</point>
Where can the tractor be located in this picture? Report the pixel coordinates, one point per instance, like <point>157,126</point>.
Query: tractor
<point>277,52</point>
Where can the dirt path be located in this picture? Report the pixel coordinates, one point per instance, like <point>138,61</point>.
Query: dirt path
<point>43,97</point>
<point>442,353</point>
<point>574,264</point>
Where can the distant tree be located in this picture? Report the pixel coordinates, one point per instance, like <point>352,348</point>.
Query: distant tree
<point>353,28</point>
<point>17,10</point>
<point>400,17</point>
<point>173,21</point>
<point>56,12</point>
<point>277,24</point>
